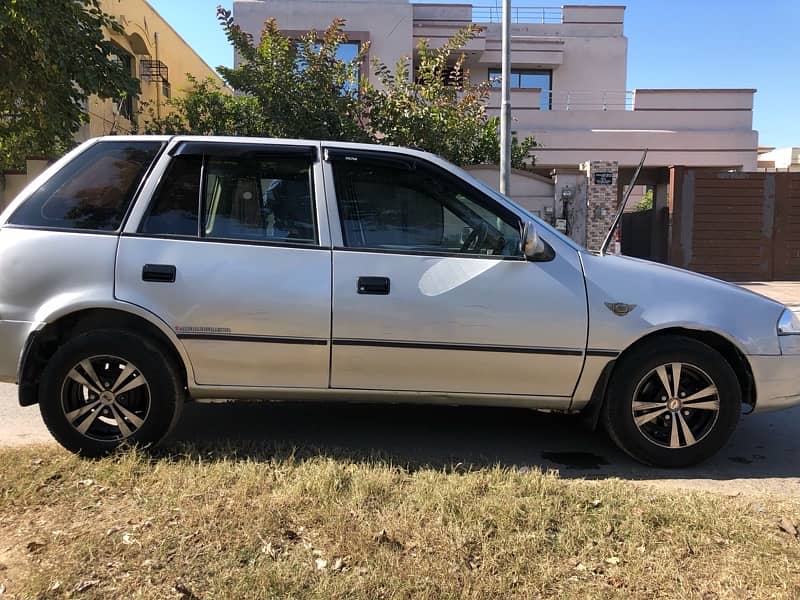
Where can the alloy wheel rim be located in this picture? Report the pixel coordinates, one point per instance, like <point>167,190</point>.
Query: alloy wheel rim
<point>105,398</point>
<point>675,405</point>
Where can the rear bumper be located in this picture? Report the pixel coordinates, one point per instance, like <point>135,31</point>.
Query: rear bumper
<point>777,381</point>
<point>13,336</point>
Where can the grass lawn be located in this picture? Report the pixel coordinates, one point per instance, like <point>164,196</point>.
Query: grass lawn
<point>202,523</point>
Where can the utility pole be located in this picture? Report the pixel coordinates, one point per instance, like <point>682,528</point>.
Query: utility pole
<point>505,106</point>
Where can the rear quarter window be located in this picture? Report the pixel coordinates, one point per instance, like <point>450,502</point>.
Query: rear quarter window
<point>93,191</point>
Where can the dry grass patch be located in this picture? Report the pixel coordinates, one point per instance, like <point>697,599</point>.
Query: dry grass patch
<point>206,524</point>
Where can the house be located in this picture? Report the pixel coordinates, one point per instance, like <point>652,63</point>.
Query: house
<point>570,91</point>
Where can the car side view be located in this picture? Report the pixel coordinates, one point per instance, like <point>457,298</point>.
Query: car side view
<point>138,273</point>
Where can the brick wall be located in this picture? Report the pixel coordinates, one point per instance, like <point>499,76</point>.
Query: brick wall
<point>601,199</point>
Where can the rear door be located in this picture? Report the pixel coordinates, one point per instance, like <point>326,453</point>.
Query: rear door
<point>431,292</point>
<point>233,252</point>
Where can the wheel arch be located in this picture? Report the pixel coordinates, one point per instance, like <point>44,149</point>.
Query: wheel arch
<point>44,341</point>
<point>732,354</point>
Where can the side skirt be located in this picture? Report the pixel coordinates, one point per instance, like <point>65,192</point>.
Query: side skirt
<point>216,393</point>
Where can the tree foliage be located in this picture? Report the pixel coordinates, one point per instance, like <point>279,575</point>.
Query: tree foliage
<point>646,203</point>
<point>302,89</point>
<point>52,58</point>
<point>288,88</point>
<point>438,108</point>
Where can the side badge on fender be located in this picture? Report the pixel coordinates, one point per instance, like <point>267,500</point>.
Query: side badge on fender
<point>620,308</point>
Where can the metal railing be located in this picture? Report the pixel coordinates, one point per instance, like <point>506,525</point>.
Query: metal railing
<point>523,14</point>
<point>594,100</point>
<point>562,100</point>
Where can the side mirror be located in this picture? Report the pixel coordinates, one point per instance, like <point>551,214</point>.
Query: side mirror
<point>531,243</point>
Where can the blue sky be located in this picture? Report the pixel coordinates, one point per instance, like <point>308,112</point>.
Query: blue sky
<point>672,44</point>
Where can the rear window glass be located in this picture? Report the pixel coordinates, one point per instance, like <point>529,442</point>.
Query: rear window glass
<point>175,205</point>
<point>93,191</point>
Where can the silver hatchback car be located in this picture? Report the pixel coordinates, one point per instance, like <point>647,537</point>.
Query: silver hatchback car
<point>140,272</point>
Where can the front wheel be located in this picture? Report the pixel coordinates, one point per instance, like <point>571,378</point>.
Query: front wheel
<point>106,388</point>
<point>672,403</point>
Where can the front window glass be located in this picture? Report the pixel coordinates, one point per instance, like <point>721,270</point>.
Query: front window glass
<point>260,199</point>
<point>93,191</point>
<point>389,205</point>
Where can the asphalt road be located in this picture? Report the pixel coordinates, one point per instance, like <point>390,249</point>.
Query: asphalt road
<point>762,457</point>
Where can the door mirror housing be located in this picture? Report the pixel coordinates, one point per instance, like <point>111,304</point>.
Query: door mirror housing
<point>532,245</point>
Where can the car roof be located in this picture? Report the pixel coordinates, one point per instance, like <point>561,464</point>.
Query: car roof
<point>222,139</point>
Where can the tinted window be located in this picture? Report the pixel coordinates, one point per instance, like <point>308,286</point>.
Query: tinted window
<point>395,206</point>
<point>175,205</point>
<point>93,191</point>
<point>260,199</point>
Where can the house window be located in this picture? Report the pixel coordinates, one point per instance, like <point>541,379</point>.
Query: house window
<point>347,52</point>
<point>124,105</point>
<point>166,89</point>
<point>525,79</point>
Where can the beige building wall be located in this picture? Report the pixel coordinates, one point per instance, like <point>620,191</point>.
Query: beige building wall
<point>13,182</point>
<point>780,159</point>
<point>531,191</point>
<point>147,37</point>
<point>589,114</point>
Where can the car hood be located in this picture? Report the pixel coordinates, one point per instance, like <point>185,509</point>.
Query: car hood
<point>666,296</point>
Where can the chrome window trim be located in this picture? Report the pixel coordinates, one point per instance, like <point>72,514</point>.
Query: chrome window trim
<point>243,242</point>
<point>113,232</point>
<point>432,253</point>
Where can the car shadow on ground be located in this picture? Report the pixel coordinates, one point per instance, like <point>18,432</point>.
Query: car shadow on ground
<point>444,437</point>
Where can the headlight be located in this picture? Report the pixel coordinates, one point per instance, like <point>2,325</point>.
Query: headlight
<point>789,323</point>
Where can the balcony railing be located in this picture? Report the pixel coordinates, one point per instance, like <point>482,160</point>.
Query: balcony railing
<point>595,100</point>
<point>523,14</point>
<point>565,100</point>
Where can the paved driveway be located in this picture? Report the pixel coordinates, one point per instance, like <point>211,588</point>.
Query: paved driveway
<point>762,457</point>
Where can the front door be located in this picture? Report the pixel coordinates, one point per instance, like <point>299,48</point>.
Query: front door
<point>431,292</point>
<point>230,255</point>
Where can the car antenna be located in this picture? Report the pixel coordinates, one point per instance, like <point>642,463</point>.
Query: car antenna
<point>621,208</point>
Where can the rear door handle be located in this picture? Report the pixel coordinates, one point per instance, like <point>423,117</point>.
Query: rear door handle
<point>377,286</point>
<point>159,273</point>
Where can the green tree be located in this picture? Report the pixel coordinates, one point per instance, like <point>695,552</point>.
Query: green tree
<point>439,109</point>
<point>646,203</point>
<point>302,89</point>
<point>205,109</point>
<point>53,56</point>
<point>290,88</point>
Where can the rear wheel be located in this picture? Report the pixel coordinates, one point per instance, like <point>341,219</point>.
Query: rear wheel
<point>673,402</point>
<point>105,388</point>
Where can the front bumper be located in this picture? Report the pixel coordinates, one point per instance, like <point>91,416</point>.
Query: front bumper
<point>13,335</point>
<point>777,381</point>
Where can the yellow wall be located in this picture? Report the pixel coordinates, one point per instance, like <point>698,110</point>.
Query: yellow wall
<point>147,35</point>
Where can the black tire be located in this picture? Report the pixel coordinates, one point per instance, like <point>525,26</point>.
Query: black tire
<point>663,441</point>
<point>155,404</point>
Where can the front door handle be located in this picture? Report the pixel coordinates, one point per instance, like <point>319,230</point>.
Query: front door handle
<point>378,286</point>
<point>159,273</point>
